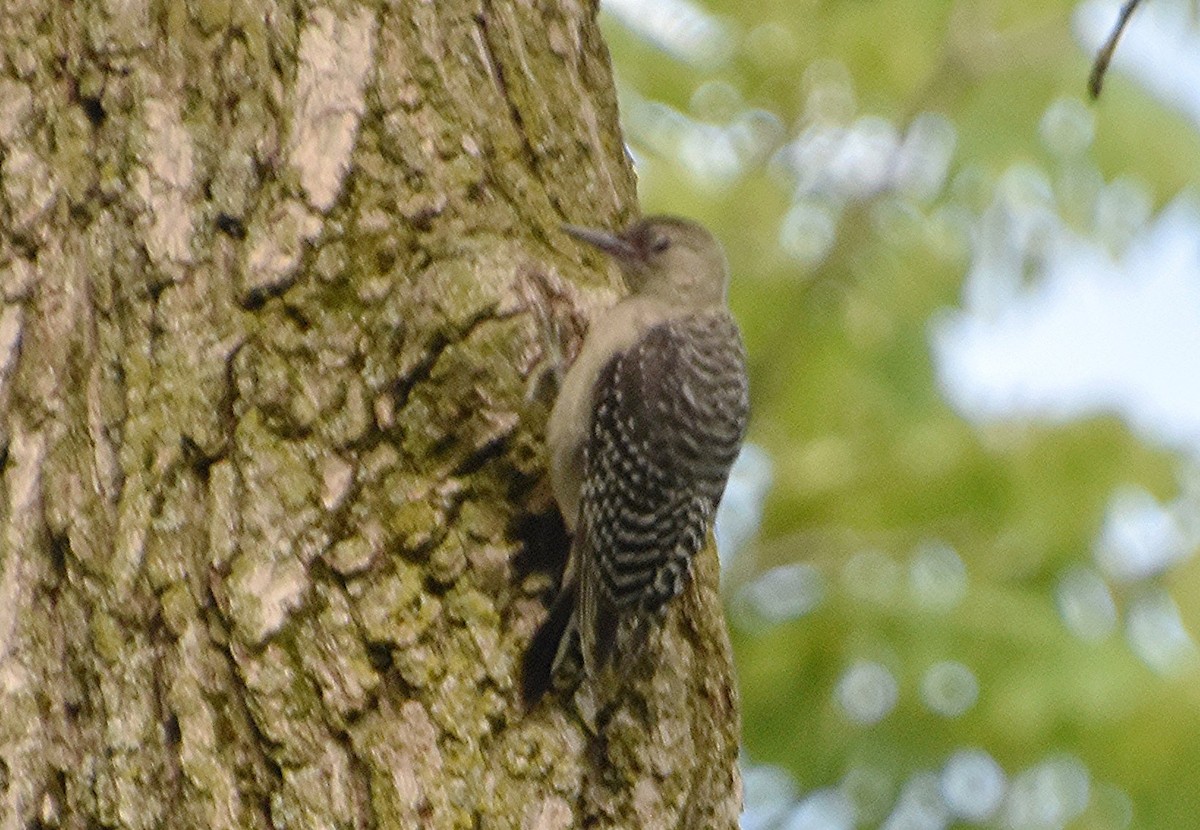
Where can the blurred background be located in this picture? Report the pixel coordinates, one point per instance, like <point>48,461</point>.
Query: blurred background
<point>960,549</point>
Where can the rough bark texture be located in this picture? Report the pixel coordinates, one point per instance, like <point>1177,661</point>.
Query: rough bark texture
<point>268,275</point>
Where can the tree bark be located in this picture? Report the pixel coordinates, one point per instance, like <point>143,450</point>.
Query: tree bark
<point>271,278</point>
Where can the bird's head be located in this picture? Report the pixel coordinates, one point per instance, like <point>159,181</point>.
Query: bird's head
<point>675,259</point>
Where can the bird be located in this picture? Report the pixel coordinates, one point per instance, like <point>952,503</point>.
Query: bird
<point>641,438</point>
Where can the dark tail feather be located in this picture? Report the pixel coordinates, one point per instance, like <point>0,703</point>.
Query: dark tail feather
<point>544,647</point>
<point>606,637</point>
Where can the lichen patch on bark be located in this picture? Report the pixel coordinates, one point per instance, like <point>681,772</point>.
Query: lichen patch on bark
<point>334,58</point>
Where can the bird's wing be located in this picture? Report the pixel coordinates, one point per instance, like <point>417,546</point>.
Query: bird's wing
<point>670,414</point>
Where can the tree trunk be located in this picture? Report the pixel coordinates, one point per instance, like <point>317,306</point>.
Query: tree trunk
<point>271,279</point>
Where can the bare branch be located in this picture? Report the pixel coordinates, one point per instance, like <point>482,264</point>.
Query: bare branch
<point>1104,56</point>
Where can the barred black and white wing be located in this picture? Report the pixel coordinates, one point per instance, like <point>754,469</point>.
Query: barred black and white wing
<point>670,416</point>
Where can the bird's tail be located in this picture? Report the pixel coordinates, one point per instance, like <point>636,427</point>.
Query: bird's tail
<point>596,622</point>
<point>578,638</point>
<point>557,636</point>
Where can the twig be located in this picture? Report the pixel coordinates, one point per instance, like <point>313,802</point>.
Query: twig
<point>1104,57</point>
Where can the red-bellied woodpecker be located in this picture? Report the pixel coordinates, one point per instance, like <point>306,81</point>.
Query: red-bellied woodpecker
<point>643,433</point>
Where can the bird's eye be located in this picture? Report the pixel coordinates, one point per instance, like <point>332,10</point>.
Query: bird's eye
<point>659,244</point>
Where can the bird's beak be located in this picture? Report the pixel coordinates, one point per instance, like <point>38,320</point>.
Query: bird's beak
<point>611,244</point>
